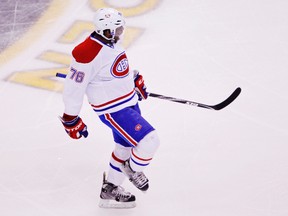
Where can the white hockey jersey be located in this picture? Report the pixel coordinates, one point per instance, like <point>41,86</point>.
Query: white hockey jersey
<point>102,72</point>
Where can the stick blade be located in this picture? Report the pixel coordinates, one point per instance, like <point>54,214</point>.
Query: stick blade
<point>229,100</point>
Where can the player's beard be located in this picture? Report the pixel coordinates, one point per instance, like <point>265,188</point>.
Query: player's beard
<point>119,32</point>
<point>117,39</point>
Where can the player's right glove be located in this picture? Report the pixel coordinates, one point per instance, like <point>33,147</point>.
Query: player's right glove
<point>75,128</point>
<point>140,86</point>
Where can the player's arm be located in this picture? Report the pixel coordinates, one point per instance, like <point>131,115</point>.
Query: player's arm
<point>82,68</point>
<point>74,90</point>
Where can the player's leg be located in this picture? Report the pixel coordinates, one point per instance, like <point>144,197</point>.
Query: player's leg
<point>142,154</point>
<point>147,142</point>
<point>119,155</point>
<point>140,135</point>
<point>140,158</point>
<point>112,194</point>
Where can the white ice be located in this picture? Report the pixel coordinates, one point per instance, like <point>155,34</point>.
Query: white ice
<point>232,162</point>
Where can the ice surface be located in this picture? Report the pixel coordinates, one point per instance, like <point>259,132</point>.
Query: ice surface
<point>231,162</point>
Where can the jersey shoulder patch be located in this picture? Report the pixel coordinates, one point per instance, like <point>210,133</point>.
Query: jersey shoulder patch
<point>86,51</point>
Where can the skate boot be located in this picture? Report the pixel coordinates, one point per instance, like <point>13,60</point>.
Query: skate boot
<point>137,178</point>
<point>113,196</point>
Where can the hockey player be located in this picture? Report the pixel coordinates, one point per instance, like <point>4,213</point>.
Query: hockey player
<point>100,69</point>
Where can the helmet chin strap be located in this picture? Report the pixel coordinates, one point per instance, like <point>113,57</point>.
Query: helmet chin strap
<point>108,38</point>
<point>113,39</point>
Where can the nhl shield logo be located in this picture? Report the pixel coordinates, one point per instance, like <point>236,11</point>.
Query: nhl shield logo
<point>120,67</point>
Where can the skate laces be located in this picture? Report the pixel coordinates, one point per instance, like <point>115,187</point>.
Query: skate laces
<point>139,178</point>
<point>119,191</point>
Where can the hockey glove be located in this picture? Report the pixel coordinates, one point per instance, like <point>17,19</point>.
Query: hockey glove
<point>140,86</point>
<point>75,128</point>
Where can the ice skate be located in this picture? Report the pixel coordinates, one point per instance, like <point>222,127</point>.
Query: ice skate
<point>137,178</point>
<point>113,196</point>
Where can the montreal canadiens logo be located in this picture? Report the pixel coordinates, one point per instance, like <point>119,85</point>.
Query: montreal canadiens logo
<point>138,127</point>
<point>120,67</point>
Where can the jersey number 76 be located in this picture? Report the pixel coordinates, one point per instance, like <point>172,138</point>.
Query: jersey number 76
<point>78,76</point>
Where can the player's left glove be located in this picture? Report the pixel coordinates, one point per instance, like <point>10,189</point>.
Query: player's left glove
<point>140,85</point>
<point>75,128</point>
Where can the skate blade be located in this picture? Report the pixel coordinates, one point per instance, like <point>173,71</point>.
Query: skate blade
<point>117,205</point>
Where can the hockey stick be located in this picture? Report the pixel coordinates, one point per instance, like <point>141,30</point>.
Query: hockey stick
<point>219,106</point>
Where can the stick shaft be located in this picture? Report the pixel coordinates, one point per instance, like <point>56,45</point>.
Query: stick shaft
<point>219,106</point>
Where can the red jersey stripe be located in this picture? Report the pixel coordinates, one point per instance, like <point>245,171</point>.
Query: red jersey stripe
<point>113,101</point>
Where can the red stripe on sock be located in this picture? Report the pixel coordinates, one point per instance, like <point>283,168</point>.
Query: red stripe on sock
<point>142,159</point>
<point>116,158</point>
